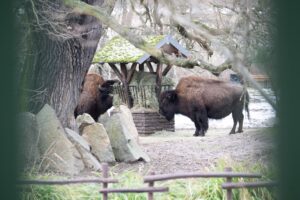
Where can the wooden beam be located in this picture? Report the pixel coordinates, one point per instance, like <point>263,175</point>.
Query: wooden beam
<point>166,70</point>
<point>124,71</point>
<point>116,70</point>
<point>158,79</point>
<point>127,92</point>
<point>131,72</point>
<point>141,67</point>
<point>150,67</point>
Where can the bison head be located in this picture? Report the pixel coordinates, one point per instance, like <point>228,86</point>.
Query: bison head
<point>167,104</point>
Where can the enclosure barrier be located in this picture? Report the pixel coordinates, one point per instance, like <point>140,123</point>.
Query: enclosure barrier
<point>142,95</point>
<point>152,178</point>
<point>229,186</point>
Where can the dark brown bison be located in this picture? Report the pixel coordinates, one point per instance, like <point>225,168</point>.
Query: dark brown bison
<point>95,98</point>
<point>199,99</point>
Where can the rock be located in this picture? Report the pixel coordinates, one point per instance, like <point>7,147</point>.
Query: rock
<point>97,137</point>
<point>59,154</point>
<point>123,135</point>
<point>83,121</point>
<point>28,151</point>
<point>83,147</point>
<point>75,138</point>
<point>176,73</point>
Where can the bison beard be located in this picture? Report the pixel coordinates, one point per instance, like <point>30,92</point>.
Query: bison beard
<point>199,99</point>
<point>95,96</point>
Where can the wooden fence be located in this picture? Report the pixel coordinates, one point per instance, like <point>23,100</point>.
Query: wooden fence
<point>152,178</point>
<point>142,95</point>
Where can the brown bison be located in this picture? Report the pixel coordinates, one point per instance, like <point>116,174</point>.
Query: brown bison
<point>95,98</point>
<point>199,99</point>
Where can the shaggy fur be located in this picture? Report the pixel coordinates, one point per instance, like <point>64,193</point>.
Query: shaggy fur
<point>199,99</point>
<point>95,96</point>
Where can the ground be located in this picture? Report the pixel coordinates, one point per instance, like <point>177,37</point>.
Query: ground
<point>180,151</point>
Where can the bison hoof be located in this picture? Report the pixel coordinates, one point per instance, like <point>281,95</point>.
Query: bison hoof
<point>198,134</point>
<point>231,133</point>
<point>240,131</point>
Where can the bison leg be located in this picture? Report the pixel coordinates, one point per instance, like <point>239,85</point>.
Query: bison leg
<point>235,120</point>
<point>201,123</point>
<point>241,120</point>
<point>237,116</point>
<point>234,127</point>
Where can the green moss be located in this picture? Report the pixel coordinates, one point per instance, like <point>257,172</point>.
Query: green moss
<point>119,50</point>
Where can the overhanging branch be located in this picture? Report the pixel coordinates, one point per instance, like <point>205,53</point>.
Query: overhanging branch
<point>137,41</point>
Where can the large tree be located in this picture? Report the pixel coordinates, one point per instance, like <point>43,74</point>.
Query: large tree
<point>56,49</point>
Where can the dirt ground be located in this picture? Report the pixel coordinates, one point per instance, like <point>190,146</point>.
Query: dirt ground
<point>180,151</point>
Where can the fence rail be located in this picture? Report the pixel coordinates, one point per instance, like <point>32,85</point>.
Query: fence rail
<point>249,185</point>
<point>66,182</point>
<point>200,175</point>
<point>152,178</point>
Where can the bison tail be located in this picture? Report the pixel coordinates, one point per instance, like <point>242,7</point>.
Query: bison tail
<point>246,103</point>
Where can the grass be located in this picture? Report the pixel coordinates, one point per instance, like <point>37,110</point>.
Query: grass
<point>185,189</point>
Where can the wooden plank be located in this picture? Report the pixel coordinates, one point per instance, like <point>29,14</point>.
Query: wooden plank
<point>131,72</point>
<point>166,70</point>
<point>135,190</point>
<point>116,70</point>
<point>200,175</point>
<point>150,67</point>
<point>66,182</point>
<point>158,79</point>
<point>141,67</point>
<point>249,184</point>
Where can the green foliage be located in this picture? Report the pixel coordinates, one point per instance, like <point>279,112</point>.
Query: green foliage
<point>187,189</point>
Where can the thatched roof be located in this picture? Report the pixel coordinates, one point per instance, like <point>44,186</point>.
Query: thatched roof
<point>119,50</point>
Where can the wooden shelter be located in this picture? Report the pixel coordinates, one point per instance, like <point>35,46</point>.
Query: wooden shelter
<point>125,59</point>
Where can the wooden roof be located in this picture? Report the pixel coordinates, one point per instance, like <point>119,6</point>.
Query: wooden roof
<point>119,50</point>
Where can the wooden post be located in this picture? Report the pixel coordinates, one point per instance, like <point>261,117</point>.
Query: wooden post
<point>150,67</point>
<point>105,175</point>
<point>166,70</point>
<point>158,80</point>
<point>228,180</point>
<point>151,184</point>
<point>141,67</point>
<point>127,92</point>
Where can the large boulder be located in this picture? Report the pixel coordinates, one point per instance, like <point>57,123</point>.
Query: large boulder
<point>123,135</point>
<point>83,121</point>
<point>83,147</point>
<point>58,153</point>
<point>96,135</point>
<point>176,73</point>
<point>28,135</point>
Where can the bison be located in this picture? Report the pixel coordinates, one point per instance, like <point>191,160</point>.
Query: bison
<point>95,98</point>
<point>200,98</point>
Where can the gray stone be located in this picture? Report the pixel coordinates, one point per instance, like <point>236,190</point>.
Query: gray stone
<point>75,138</point>
<point>28,136</point>
<point>83,147</point>
<point>58,153</point>
<point>123,135</point>
<point>83,121</point>
<point>97,137</point>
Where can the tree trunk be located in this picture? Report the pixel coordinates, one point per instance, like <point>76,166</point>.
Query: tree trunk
<point>60,65</point>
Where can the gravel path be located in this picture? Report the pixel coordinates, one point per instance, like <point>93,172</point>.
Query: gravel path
<point>179,151</point>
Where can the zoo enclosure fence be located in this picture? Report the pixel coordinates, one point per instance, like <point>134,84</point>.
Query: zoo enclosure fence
<point>228,185</point>
<point>142,95</point>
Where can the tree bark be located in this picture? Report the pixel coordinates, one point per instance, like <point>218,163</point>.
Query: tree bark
<point>57,74</point>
